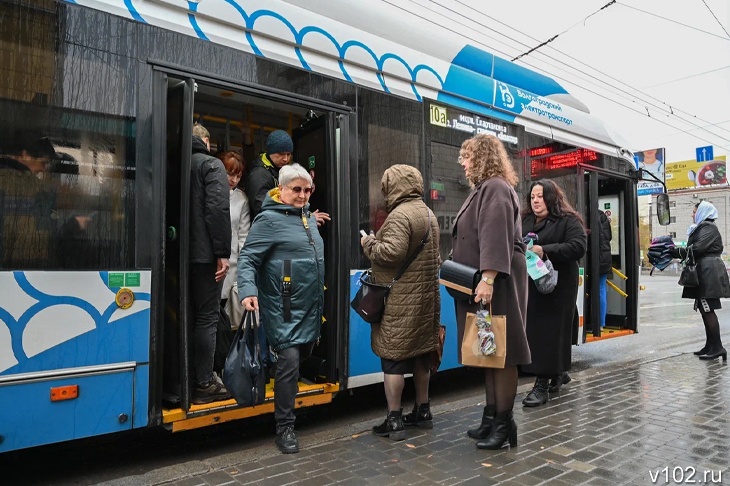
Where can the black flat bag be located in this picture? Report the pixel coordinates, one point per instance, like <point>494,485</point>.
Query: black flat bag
<point>460,280</point>
<point>369,301</point>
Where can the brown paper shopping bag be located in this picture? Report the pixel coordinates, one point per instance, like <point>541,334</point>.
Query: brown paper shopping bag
<point>470,354</point>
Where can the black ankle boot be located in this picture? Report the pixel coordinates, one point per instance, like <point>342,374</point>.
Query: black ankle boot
<point>539,394</point>
<point>485,427</point>
<point>714,354</point>
<point>504,430</point>
<point>392,427</point>
<point>557,383</point>
<point>420,416</point>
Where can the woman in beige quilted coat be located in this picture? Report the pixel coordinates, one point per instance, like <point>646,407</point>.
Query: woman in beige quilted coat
<point>409,328</point>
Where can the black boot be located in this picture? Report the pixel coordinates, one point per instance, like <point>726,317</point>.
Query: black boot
<point>720,353</point>
<point>485,427</point>
<point>504,429</point>
<point>557,383</point>
<point>420,416</point>
<point>539,394</point>
<point>392,427</point>
<point>286,440</point>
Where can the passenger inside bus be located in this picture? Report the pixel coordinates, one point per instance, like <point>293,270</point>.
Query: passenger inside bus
<point>605,262</point>
<point>210,247</point>
<point>26,200</point>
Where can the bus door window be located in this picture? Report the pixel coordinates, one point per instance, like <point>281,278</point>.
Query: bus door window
<point>314,150</point>
<point>613,207</point>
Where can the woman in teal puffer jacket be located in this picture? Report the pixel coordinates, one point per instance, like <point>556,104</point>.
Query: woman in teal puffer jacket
<point>281,267</point>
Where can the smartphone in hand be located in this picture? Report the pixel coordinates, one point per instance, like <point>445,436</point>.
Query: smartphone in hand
<point>362,233</point>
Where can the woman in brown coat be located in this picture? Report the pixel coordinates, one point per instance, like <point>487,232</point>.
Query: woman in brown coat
<point>409,328</point>
<point>488,236</point>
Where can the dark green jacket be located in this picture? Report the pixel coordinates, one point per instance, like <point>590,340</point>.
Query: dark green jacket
<point>278,234</point>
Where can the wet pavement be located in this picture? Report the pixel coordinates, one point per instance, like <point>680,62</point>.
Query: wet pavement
<point>653,422</point>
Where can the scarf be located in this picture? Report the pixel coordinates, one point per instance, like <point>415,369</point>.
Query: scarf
<point>704,211</point>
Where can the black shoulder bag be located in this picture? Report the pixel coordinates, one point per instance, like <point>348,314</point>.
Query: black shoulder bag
<point>689,277</point>
<point>369,301</point>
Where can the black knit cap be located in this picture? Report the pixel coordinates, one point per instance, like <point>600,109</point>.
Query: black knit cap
<point>279,142</point>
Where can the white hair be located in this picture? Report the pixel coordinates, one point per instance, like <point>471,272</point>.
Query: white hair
<point>291,172</point>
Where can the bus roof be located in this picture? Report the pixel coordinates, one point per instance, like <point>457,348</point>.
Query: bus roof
<point>381,46</point>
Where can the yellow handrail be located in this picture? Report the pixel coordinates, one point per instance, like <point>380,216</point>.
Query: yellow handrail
<point>620,292</point>
<point>619,274</point>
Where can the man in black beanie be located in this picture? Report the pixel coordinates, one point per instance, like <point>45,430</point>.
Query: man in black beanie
<point>263,175</point>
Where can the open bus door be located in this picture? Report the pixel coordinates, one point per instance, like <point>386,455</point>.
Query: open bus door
<point>178,101</point>
<point>315,150</point>
<point>614,195</point>
<point>176,320</point>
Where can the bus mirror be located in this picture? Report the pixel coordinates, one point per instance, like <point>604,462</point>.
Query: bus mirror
<point>662,209</point>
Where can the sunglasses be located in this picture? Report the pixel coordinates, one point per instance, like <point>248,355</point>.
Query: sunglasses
<point>297,189</point>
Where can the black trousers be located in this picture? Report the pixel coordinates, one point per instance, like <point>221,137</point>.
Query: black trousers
<point>286,383</point>
<point>205,294</point>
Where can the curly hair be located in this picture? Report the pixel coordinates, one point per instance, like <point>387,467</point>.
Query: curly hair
<point>555,200</point>
<point>488,159</point>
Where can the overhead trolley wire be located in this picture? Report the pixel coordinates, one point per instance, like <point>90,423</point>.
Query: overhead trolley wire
<point>669,110</point>
<point>563,32</point>
<point>689,77</point>
<point>718,20</point>
<point>480,42</point>
<point>673,21</point>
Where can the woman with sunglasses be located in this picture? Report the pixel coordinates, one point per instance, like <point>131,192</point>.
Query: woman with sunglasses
<point>281,271</point>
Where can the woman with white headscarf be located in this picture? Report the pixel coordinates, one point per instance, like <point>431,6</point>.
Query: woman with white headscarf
<point>705,246</point>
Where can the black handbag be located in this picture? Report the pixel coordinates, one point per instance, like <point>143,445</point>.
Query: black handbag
<point>243,374</point>
<point>460,280</point>
<point>369,301</point>
<point>689,276</point>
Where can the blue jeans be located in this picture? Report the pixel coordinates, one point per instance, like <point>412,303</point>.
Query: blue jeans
<point>603,299</point>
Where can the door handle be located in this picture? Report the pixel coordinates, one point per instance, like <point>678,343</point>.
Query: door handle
<point>171,233</point>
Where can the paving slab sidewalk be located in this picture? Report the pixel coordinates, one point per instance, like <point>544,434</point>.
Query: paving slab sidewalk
<point>656,422</point>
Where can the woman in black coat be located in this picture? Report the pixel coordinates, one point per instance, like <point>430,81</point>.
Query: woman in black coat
<point>561,237</point>
<point>705,246</point>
